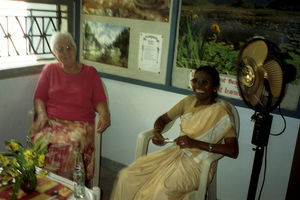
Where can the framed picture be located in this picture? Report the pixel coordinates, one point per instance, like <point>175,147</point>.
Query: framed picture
<point>126,39</point>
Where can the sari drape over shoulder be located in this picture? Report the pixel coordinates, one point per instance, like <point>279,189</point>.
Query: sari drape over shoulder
<point>173,172</point>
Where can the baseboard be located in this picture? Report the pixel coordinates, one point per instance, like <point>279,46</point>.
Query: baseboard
<point>111,164</point>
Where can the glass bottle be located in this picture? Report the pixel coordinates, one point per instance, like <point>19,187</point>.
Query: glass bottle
<point>79,177</point>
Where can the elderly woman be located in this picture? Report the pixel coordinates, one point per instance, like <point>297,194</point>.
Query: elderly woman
<point>174,172</point>
<point>67,96</point>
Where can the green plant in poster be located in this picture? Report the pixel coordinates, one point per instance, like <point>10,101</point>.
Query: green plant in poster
<point>195,50</point>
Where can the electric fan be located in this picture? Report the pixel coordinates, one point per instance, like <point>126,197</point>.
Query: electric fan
<point>262,79</point>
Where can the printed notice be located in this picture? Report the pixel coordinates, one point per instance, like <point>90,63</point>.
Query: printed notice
<point>150,52</point>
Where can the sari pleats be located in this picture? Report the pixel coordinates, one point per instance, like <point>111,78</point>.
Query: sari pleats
<point>154,177</point>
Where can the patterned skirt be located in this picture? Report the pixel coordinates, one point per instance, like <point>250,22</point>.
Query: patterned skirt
<point>64,138</point>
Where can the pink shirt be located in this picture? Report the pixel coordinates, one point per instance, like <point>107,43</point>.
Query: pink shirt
<point>70,96</point>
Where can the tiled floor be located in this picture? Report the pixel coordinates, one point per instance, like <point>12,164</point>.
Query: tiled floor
<point>109,171</point>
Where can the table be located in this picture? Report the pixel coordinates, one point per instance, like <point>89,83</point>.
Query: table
<point>47,184</point>
<point>91,194</point>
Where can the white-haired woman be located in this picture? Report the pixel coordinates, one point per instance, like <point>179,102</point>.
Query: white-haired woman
<point>67,95</point>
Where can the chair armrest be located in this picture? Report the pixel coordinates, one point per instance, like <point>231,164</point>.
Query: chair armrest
<point>206,165</point>
<point>143,142</point>
<point>213,157</point>
<point>144,139</point>
<point>96,192</point>
<point>97,142</point>
<point>30,115</point>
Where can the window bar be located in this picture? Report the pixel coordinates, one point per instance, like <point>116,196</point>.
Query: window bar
<point>30,29</point>
<point>44,34</point>
<point>27,40</point>
<point>52,22</point>
<point>36,36</point>
<point>59,16</point>
<point>8,37</point>
<point>41,34</point>
<point>25,35</point>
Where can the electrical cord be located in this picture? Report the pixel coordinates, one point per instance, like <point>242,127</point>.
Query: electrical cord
<point>266,152</point>
<point>284,121</point>
<point>264,176</point>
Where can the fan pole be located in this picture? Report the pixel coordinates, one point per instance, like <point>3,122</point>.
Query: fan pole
<point>260,138</point>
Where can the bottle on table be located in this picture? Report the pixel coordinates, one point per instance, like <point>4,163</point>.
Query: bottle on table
<point>79,177</point>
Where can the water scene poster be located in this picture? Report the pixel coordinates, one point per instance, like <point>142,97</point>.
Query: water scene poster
<point>212,32</point>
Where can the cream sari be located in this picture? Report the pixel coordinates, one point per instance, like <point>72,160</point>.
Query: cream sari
<point>173,172</point>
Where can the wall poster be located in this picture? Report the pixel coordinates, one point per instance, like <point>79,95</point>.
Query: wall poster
<point>111,32</point>
<point>154,10</point>
<point>213,32</point>
<point>106,43</point>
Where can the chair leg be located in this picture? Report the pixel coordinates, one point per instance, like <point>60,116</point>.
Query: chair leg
<point>212,189</point>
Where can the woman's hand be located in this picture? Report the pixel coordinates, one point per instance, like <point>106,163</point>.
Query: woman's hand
<point>158,139</point>
<point>104,116</point>
<point>159,125</point>
<point>103,123</point>
<point>185,142</point>
<point>41,119</point>
<point>40,122</point>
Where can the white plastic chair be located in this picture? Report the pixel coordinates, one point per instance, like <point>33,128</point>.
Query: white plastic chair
<point>204,187</point>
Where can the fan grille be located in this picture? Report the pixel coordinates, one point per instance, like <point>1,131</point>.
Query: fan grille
<point>260,75</point>
<point>274,75</point>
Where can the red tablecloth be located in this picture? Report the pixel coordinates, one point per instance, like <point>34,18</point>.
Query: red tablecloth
<point>44,190</point>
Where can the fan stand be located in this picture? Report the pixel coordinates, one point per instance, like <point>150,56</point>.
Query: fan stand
<point>260,138</point>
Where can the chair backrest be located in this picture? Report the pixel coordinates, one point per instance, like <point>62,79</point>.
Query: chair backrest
<point>236,119</point>
<point>96,179</point>
<point>98,138</point>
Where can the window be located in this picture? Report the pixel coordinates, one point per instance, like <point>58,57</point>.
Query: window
<point>26,28</point>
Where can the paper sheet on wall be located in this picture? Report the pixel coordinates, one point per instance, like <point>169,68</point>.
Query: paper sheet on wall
<point>150,52</point>
<point>228,85</point>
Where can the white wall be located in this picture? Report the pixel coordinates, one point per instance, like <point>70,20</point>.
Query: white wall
<point>134,108</point>
<point>16,96</point>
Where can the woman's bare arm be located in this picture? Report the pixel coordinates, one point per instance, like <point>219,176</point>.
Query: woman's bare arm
<point>104,116</point>
<point>159,126</point>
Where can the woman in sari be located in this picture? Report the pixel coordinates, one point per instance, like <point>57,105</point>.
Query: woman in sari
<point>67,96</point>
<point>206,127</point>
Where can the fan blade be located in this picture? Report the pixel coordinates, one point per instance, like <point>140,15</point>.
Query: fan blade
<point>256,91</point>
<point>254,99</point>
<point>257,50</point>
<point>274,75</point>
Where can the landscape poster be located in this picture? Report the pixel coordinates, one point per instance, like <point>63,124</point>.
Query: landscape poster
<point>154,10</point>
<point>106,43</point>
